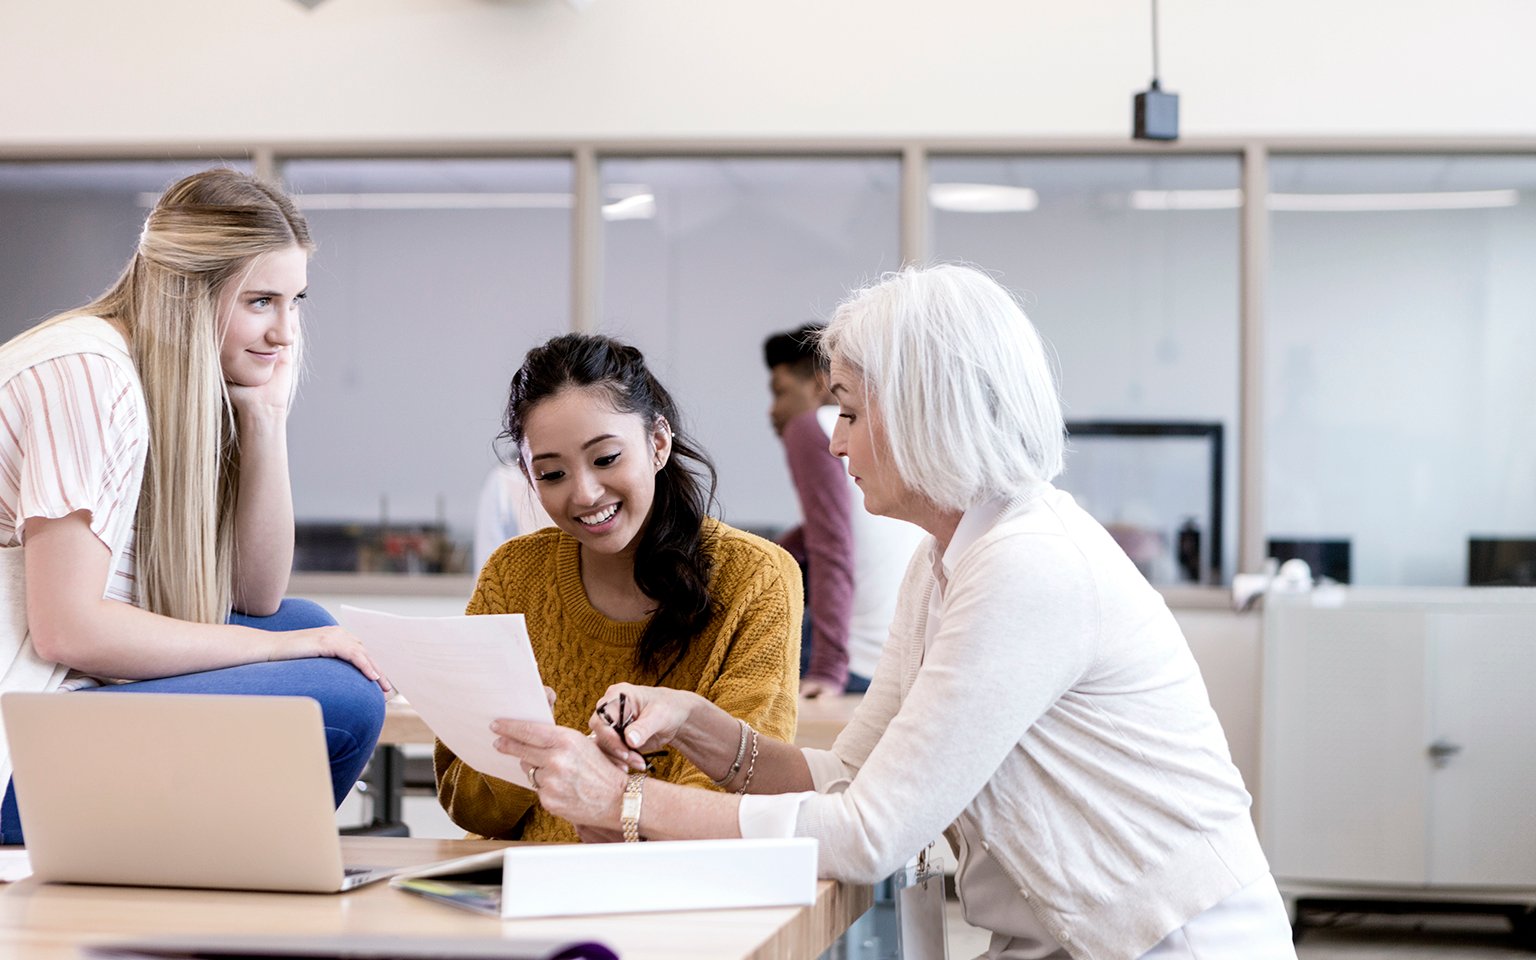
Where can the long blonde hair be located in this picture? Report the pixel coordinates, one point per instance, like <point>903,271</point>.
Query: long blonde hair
<point>206,231</point>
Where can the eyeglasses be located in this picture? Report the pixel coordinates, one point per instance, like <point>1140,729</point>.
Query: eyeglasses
<point>621,724</point>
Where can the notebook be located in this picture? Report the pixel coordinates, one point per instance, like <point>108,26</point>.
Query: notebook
<point>177,790</point>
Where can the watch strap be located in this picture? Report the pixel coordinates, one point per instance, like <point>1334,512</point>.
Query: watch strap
<point>629,810</point>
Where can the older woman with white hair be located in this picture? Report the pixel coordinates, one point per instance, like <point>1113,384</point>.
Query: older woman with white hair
<point>1036,703</point>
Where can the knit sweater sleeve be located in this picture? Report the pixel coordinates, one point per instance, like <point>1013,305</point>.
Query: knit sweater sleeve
<point>754,671</point>
<point>478,802</point>
<point>1020,627</point>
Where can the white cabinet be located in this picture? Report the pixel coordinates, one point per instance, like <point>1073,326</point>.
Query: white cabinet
<point>1399,741</point>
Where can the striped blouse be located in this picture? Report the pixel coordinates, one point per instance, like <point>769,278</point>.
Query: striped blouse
<point>72,432</point>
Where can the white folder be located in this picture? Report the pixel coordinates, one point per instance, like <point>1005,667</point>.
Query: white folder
<point>555,880</point>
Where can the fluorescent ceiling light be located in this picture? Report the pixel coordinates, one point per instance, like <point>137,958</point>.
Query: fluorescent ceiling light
<point>1353,202</point>
<point>982,198</point>
<point>433,201</point>
<point>639,206</point>
<point>1186,199</point>
<point>417,201</point>
<point>1326,202</point>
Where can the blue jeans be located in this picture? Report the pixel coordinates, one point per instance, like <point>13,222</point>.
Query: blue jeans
<point>351,705</point>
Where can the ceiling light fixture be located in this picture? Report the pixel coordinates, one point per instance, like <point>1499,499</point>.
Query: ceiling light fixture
<point>1384,202</point>
<point>1155,115</point>
<point>417,201</point>
<point>640,206</point>
<point>1327,202</point>
<point>1186,199</point>
<point>982,198</point>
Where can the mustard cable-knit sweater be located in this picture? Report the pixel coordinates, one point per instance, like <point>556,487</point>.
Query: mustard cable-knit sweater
<point>746,660</point>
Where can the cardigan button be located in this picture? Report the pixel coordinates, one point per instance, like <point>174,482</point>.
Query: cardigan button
<point>986,846</point>
<point>1024,893</point>
<point>1064,937</point>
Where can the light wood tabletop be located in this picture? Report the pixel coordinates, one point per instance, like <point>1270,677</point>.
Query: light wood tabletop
<point>821,719</point>
<point>41,921</point>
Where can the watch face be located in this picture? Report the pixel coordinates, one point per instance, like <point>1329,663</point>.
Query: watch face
<point>629,810</point>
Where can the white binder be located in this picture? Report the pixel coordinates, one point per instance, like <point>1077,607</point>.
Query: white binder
<point>555,880</point>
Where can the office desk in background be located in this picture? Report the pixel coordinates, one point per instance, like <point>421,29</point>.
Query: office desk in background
<point>52,921</point>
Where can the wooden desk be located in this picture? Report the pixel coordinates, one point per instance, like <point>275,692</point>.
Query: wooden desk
<point>823,718</point>
<point>402,724</point>
<point>51,921</point>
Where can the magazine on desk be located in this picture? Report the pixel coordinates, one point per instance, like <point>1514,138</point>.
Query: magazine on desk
<point>554,880</point>
<point>476,888</point>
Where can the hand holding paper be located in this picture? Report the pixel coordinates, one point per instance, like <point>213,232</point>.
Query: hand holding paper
<point>460,673</point>
<point>575,779</point>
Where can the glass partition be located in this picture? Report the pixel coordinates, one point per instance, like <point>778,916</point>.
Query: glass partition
<point>431,280</point>
<point>70,227</point>
<point>1129,267</point>
<point>704,258</point>
<point>1399,352</point>
<point>1168,473</point>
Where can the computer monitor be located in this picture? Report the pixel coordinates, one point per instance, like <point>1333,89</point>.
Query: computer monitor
<point>1501,562</point>
<point>1327,558</point>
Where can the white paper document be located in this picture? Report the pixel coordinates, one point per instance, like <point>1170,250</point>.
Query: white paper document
<point>459,673</point>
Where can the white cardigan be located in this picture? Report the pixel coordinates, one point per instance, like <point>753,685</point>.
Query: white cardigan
<point>1060,712</point>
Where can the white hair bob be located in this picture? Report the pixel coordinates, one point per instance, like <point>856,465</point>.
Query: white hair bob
<point>960,380</point>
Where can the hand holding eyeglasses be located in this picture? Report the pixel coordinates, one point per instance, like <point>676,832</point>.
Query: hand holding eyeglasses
<point>632,723</point>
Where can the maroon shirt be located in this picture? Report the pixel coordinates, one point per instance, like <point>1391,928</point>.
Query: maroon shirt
<point>824,541</point>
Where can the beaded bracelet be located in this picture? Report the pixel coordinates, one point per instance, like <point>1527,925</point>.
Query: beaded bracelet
<point>741,751</point>
<point>751,765</point>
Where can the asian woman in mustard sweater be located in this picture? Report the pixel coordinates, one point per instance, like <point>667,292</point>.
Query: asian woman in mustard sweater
<point>634,582</point>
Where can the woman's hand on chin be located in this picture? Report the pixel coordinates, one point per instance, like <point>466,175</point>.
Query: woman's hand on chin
<point>267,400</point>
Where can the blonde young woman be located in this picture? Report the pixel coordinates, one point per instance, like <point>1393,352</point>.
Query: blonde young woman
<point>1036,702</point>
<point>146,518</point>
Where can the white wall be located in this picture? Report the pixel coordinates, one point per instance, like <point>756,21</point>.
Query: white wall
<point>192,71</point>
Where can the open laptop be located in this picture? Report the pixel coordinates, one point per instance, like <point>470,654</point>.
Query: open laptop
<point>177,790</point>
